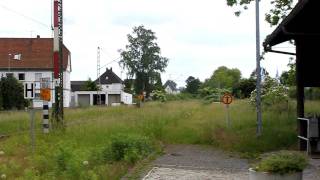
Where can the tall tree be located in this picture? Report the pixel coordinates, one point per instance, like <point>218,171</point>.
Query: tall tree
<point>142,58</point>
<point>193,85</point>
<point>279,9</point>
<point>223,77</point>
<point>288,78</point>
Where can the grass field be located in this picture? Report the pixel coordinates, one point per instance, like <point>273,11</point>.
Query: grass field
<point>82,150</point>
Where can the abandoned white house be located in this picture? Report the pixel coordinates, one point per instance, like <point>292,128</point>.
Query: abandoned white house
<point>111,91</point>
<point>29,60</point>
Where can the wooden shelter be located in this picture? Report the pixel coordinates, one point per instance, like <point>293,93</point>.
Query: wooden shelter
<point>301,26</point>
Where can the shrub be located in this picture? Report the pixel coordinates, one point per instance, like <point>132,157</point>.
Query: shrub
<point>159,96</point>
<point>282,162</point>
<point>127,147</point>
<point>11,91</point>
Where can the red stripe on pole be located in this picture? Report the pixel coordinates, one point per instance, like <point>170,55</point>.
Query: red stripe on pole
<point>56,65</point>
<point>55,14</point>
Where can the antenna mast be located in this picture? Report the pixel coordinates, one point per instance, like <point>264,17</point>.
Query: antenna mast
<point>98,77</point>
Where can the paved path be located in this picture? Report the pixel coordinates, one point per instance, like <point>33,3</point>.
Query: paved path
<point>193,162</point>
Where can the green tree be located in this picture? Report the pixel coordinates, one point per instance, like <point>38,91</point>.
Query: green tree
<point>142,58</point>
<point>279,9</point>
<point>244,88</point>
<point>288,78</point>
<point>223,77</point>
<point>128,85</point>
<point>11,91</point>
<point>193,85</point>
<point>90,85</point>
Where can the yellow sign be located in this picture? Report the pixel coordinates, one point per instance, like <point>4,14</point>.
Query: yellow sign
<point>227,98</point>
<point>45,94</point>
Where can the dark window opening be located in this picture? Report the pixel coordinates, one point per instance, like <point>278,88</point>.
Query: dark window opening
<point>21,76</point>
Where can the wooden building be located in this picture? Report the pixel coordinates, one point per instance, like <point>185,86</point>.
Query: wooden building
<point>301,26</point>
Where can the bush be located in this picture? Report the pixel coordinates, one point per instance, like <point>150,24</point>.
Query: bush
<point>130,148</point>
<point>282,162</point>
<point>272,93</point>
<point>180,96</point>
<point>159,96</point>
<point>11,91</point>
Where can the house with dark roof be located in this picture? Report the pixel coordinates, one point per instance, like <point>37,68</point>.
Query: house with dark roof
<point>29,60</point>
<point>171,87</point>
<point>111,91</point>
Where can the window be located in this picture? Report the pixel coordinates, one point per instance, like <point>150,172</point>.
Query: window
<point>9,74</point>
<point>38,76</point>
<point>21,76</point>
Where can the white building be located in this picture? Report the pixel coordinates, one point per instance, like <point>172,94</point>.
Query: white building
<point>171,87</point>
<point>29,60</point>
<point>111,92</point>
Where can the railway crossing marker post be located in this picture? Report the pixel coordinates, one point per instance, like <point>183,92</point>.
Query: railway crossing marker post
<point>227,100</point>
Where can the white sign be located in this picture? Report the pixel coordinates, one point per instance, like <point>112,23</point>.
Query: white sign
<point>29,90</point>
<point>45,83</point>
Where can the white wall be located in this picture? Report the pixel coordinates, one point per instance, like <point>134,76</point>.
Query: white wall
<point>112,87</point>
<point>126,98</point>
<point>30,76</point>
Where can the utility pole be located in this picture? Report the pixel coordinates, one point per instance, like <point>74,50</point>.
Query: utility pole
<point>98,77</point>
<point>58,61</point>
<point>258,71</point>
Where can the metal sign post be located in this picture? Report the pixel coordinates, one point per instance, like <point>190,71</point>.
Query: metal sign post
<point>227,100</point>
<point>45,95</point>
<point>32,124</point>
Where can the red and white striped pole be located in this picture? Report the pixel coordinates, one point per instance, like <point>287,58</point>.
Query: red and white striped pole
<point>56,43</point>
<point>58,60</point>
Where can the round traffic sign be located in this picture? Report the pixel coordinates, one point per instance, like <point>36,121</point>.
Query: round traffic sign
<point>227,98</point>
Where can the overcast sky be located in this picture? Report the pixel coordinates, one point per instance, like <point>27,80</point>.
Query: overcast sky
<point>196,35</point>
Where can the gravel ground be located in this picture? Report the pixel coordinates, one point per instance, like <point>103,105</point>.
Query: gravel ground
<point>193,162</point>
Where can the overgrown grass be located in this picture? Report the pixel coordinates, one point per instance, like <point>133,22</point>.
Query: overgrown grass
<point>103,143</point>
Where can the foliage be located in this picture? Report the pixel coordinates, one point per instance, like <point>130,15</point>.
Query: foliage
<point>244,88</point>
<point>180,96</point>
<point>11,91</point>
<point>312,93</point>
<point>223,77</point>
<point>90,85</point>
<point>157,82</point>
<point>128,86</point>
<point>142,59</point>
<point>1,101</point>
<point>282,162</point>
<point>288,78</point>
<point>126,147</point>
<point>212,94</point>
<point>90,133</point>
<point>159,96</point>
<point>272,93</point>
<point>193,85</point>
<point>278,11</point>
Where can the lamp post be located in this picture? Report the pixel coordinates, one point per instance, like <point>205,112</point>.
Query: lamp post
<point>258,71</point>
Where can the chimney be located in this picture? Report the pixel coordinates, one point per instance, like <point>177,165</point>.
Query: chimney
<point>38,36</point>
